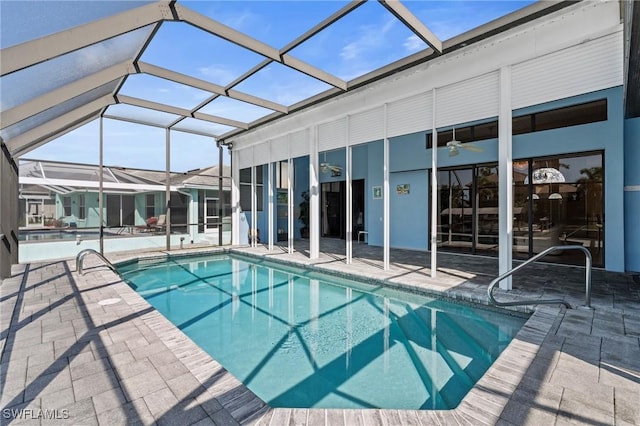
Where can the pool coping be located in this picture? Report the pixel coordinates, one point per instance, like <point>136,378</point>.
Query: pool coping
<point>484,403</point>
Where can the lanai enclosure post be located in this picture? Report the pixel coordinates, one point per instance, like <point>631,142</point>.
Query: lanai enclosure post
<point>101,187</point>
<point>505,178</point>
<point>168,186</point>
<point>314,196</point>
<point>434,189</point>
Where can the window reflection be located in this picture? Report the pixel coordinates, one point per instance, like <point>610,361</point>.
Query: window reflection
<point>557,201</point>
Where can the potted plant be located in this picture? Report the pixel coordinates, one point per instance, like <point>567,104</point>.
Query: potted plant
<point>303,216</point>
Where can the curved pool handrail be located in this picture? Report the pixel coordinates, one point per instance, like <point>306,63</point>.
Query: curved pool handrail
<point>545,301</point>
<point>80,257</point>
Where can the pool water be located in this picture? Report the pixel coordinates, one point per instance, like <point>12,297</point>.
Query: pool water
<point>302,339</point>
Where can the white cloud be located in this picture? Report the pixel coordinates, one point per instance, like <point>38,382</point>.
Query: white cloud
<point>369,37</point>
<point>219,74</point>
<point>413,44</point>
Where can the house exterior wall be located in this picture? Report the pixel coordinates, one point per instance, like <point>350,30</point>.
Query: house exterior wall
<point>574,55</point>
<point>632,194</point>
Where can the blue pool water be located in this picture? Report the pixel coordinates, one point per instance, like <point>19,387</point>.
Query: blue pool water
<point>302,339</point>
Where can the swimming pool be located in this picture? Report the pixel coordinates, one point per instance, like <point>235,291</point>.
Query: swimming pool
<point>302,339</point>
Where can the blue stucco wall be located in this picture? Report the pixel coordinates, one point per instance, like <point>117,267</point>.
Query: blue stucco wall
<point>410,162</point>
<point>632,194</point>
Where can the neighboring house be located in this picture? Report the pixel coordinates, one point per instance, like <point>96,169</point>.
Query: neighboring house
<point>59,195</point>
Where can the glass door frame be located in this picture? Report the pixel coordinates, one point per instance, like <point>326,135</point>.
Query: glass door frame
<point>211,222</point>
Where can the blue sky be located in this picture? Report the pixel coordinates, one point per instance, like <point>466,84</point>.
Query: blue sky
<point>366,39</point>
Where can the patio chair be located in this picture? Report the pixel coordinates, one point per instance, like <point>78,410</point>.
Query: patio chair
<point>161,224</point>
<point>148,226</point>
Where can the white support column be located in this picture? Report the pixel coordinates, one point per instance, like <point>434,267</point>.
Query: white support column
<point>290,227</point>
<point>235,201</point>
<point>505,175</point>
<point>348,196</point>
<point>314,196</point>
<point>386,209</point>
<point>101,187</point>
<point>271,235</point>
<point>434,190</point>
<point>254,212</point>
<point>167,191</point>
<point>193,215</point>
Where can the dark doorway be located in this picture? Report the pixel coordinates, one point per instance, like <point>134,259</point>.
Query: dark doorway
<point>334,207</point>
<point>120,210</point>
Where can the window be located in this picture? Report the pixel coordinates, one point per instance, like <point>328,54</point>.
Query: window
<point>82,209</point>
<point>282,175</point>
<point>245,189</point>
<point>590,112</point>
<point>66,206</point>
<point>571,116</point>
<point>151,205</point>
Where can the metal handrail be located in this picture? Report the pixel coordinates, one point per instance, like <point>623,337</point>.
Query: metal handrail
<point>587,279</point>
<point>83,253</point>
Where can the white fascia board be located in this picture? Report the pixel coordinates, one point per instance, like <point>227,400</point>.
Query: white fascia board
<point>62,94</point>
<point>93,185</point>
<point>567,27</point>
<point>33,52</point>
<point>55,127</point>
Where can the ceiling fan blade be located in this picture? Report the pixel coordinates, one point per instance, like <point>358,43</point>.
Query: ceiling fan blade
<point>472,148</point>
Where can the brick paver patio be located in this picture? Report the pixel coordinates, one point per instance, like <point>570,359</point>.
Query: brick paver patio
<point>89,350</point>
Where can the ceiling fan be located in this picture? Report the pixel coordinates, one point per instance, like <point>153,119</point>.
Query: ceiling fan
<point>454,144</point>
<point>326,167</point>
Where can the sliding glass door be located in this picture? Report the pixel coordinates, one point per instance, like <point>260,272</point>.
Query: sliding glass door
<point>557,201</point>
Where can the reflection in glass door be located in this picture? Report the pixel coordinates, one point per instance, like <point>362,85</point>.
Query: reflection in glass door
<point>456,211</point>
<point>211,216</point>
<point>487,227</point>
<point>35,212</point>
<point>468,206</point>
<point>560,200</point>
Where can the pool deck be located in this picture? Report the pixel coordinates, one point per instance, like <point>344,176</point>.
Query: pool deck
<point>72,353</point>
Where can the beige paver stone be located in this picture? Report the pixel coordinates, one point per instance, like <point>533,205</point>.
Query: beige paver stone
<point>134,413</point>
<point>353,417</point>
<point>58,399</point>
<point>185,386</point>
<point>141,385</point>
<point>109,399</point>
<point>299,417</point>
<point>160,402</point>
<point>94,384</point>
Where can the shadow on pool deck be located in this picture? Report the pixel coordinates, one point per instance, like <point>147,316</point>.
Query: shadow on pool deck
<point>83,362</point>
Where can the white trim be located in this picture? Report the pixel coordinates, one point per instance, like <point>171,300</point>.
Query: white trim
<point>385,190</point>
<point>271,234</point>
<point>93,184</point>
<point>348,194</point>
<point>314,197</point>
<point>632,188</point>
<point>505,178</point>
<point>434,189</point>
